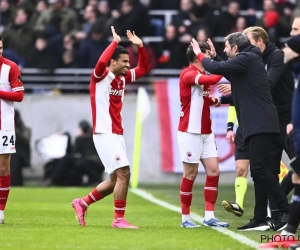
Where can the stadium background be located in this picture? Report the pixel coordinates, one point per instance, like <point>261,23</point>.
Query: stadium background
<point>56,73</point>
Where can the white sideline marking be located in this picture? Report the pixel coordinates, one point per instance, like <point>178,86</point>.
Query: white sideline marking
<point>238,237</point>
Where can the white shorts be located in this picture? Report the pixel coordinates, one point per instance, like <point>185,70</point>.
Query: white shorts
<point>193,147</point>
<point>111,150</point>
<point>7,142</point>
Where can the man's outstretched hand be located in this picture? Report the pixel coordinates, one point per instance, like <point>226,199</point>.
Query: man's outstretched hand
<point>116,37</point>
<point>195,46</point>
<point>134,38</point>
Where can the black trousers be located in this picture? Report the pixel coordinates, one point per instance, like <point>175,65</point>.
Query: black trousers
<point>277,148</point>
<point>260,146</point>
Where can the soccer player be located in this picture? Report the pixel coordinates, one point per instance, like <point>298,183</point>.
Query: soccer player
<point>195,138</point>
<point>11,90</point>
<point>107,92</point>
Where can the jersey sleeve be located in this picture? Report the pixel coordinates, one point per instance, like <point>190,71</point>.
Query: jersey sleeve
<point>15,79</point>
<point>196,78</point>
<point>141,69</point>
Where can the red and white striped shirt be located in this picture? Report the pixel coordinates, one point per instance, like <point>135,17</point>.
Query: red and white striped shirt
<point>10,83</point>
<point>107,91</point>
<point>195,100</point>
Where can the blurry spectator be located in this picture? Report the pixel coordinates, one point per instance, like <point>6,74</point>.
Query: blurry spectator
<point>134,55</point>
<point>40,7</point>
<point>69,60</point>
<point>216,4</point>
<point>227,20</point>
<point>6,13</point>
<point>241,24</point>
<point>80,161</point>
<point>156,24</point>
<point>40,57</point>
<point>13,56</point>
<point>202,13</point>
<point>182,21</point>
<point>164,5</point>
<point>105,16</point>
<point>202,35</point>
<point>69,21</point>
<point>17,35</point>
<point>172,50</point>
<point>22,157</point>
<point>132,16</point>
<point>269,21</point>
<point>54,36</point>
<point>92,47</point>
<point>90,16</point>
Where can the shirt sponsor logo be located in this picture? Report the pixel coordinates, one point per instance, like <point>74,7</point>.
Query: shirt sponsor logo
<point>205,93</point>
<point>115,92</point>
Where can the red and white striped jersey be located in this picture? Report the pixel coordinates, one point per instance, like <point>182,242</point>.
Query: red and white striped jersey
<point>107,92</point>
<point>195,100</point>
<point>10,81</point>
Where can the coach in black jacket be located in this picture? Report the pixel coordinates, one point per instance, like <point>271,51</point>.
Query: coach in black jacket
<point>281,81</point>
<point>257,117</point>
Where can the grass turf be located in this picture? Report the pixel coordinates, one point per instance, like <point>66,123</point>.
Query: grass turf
<point>42,218</point>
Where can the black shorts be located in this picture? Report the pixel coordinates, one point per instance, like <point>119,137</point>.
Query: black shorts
<point>241,151</point>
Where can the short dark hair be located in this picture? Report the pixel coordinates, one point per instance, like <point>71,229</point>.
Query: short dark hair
<point>190,53</point>
<point>0,38</point>
<point>116,55</point>
<point>239,39</point>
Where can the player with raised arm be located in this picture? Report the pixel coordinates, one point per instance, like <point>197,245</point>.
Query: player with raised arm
<point>107,92</point>
<point>195,138</point>
<point>11,90</point>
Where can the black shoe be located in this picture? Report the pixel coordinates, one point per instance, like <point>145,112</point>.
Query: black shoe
<point>255,226</point>
<point>295,247</point>
<point>281,222</point>
<point>233,208</point>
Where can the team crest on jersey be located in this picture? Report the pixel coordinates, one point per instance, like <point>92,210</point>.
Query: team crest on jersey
<point>189,154</point>
<point>117,158</point>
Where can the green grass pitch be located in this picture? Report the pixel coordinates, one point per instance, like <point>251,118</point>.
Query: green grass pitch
<point>42,218</point>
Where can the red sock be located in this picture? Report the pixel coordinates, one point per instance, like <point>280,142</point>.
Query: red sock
<point>92,197</point>
<point>211,192</point>
<point>4,190</point>
<point>120,206</point>
<point>186,195</point>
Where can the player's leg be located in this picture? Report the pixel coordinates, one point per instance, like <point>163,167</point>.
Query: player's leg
<point>4,183</point>
<point>122,171</point>
<point>209,159</point>
<point>104,144</point>
<point>189,149</point>
<point>190,171</point>
<point>120,197</point>
<point>241,165</point>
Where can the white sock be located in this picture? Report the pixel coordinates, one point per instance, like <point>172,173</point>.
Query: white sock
<point>209,215</point>
<point>84,203</point>
<point>186,217</point>
<point>287,233</point>
<point>1,214</point>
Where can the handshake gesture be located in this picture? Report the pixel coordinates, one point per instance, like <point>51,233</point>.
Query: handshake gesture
<point>131,36</point>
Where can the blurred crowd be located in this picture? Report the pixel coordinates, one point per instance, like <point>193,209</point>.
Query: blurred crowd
<point>53,34</point>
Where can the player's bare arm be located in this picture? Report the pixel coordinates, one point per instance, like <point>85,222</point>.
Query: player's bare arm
<point>134,39</point>
<point>106,55</point>
<point>143,64</point>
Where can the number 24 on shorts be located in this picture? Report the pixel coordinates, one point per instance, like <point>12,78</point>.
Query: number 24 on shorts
<point>6,141</point>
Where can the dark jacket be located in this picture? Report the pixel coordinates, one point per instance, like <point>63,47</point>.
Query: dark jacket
<point>281,80</point>
<point>251,93</point>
